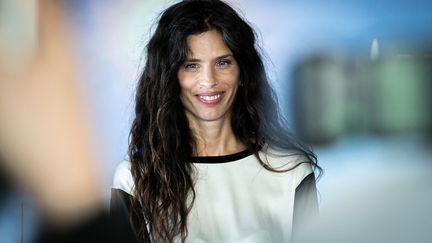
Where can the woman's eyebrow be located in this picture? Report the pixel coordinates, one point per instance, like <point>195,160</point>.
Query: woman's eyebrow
<point>192,59</point>
<point>224,56</point>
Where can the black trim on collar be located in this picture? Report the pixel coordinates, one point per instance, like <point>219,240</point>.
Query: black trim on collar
<point>221,159</point>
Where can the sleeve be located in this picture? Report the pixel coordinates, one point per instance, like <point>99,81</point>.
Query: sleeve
<point>119,214</point>
<point>305,205</point>
<point>123,179</point>
<point>120,206</point>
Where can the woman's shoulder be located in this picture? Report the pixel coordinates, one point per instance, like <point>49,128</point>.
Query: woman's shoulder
<point>123,179</point>
<point>296,162</point>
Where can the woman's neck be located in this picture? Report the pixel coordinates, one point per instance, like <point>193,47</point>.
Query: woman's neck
<point>214,138</point>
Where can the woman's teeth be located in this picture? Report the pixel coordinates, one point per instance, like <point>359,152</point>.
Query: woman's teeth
<point>210,97</point>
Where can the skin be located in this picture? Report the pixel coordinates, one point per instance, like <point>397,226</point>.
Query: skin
<point>209,79</point>
<point>44,135</point>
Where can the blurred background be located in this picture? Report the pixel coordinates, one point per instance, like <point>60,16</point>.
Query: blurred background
<point>353,78</point>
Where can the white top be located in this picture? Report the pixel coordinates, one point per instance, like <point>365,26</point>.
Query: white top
<point>237,199</point>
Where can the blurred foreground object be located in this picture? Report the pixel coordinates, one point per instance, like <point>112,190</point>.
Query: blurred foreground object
<point>44,139</point>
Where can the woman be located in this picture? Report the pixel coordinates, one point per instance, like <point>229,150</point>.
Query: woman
<point>210,157</point>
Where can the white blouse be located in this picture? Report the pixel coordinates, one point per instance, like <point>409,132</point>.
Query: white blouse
<point>238,200</point>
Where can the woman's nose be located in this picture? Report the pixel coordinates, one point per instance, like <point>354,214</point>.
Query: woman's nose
<point>208,78</point>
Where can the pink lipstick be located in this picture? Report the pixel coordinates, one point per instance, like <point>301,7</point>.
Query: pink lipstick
<point>210,98</point>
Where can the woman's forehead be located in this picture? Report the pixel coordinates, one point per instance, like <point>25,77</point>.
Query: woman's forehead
<point>209,43</point>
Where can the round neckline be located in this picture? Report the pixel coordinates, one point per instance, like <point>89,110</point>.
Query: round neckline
<point>221,158</point>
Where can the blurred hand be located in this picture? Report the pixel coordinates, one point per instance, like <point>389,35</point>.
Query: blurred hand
<point>44,136</point>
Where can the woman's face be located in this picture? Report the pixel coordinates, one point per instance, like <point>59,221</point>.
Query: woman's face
<point>208,78</point>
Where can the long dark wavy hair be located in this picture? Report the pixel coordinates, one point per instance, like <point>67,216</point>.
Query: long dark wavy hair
<point>161,143</point>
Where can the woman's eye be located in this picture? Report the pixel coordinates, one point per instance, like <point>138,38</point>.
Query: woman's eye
<point>223,63</point>
<point>191,66</point>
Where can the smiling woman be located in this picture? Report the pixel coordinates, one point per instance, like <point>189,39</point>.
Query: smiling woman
<point>209,82</point>
<point>210,158</point>
<point>209,78</point>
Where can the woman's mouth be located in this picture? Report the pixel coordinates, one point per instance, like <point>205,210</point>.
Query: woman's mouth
<point>211,98</point>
